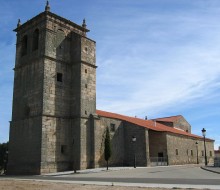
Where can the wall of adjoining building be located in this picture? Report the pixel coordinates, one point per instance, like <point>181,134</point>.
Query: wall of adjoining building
<point>183,150</point>
<point>179,123</point>
<point>182,124</point>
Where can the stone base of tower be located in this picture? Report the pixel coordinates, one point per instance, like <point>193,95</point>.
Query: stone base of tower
<point>25,146</point>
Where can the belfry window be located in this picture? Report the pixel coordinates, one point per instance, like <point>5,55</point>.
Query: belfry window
<point>35,42</point>
<point>24,45</point>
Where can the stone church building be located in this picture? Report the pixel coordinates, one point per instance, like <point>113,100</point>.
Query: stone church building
<point>55,124</point>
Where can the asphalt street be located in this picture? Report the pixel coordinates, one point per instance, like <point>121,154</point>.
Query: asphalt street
<point>190,175</point>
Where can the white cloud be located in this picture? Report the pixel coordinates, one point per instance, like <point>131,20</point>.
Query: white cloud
<point>171,60</point>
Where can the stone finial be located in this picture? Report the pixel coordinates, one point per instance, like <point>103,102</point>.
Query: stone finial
<point>47,7</point>
<point>84,23</point>
<point>19,23</point>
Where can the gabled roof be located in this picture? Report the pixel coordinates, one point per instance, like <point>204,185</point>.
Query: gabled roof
<point>149,124</point>
<point>169,119</point>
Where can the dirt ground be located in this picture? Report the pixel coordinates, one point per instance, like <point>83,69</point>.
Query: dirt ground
<point>39,185</point>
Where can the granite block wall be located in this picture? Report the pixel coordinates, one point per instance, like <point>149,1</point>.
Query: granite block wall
<point>25,146</point>
<point>182,150</point>
<point>139,148</point>
<point>117,141</point>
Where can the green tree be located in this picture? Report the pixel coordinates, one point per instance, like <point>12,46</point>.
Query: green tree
<point>107,146</point>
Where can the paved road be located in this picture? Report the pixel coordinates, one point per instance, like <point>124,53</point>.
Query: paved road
<point>163,175</point>
<point>190,175</point>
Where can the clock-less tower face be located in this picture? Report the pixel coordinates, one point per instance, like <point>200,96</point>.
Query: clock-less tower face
<point>54,96</point>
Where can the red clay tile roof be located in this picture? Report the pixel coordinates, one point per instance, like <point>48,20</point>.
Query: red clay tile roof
<point>149,124</point>
<point>169,119</point>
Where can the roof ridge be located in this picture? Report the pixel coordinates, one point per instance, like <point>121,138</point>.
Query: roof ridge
<point>167,117</point>
<point>122,115</point>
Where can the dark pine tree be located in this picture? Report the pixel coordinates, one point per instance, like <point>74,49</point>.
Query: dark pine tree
<point>107,146</point>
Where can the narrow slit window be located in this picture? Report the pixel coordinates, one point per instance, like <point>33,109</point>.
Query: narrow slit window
<point>177,153</point>
<point>63,149</point>
<point>59,77</point>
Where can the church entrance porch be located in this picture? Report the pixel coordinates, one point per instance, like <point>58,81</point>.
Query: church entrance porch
<point>157,148</point>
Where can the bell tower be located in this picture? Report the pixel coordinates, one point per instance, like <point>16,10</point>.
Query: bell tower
<point>54,96</point>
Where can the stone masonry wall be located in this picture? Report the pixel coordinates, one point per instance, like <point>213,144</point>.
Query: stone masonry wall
<point>25,127</point>
<point>117,141</point>
<point>72,99</point>
<point>56,94</point>
<point>182,124</point>
<point>56,148</point>
<point>139,148</point>
<point>186,148</point>
<point>27,97</point>
<point>24,146</point>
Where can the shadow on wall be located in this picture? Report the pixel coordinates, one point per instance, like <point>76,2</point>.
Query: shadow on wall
<point>117,148</point>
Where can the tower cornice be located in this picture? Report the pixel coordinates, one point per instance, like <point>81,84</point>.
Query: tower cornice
<point>55,16</point>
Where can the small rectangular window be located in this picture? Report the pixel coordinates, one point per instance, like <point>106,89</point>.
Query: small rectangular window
<point>211,153</point>
<point>191,152</point>
<point>59,77</point>
<point>63,149</point>
<point>177,153</point>
<point>202,153</point>
<point>112,127</point>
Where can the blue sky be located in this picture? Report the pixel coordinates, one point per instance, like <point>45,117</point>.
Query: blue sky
<point>155,58</point>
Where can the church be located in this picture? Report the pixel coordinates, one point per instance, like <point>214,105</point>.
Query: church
<point>55,125</point>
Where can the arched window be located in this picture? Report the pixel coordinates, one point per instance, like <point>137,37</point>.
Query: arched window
<point>35,41</point>
<point>60,43</point>
<point>24,45</point>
